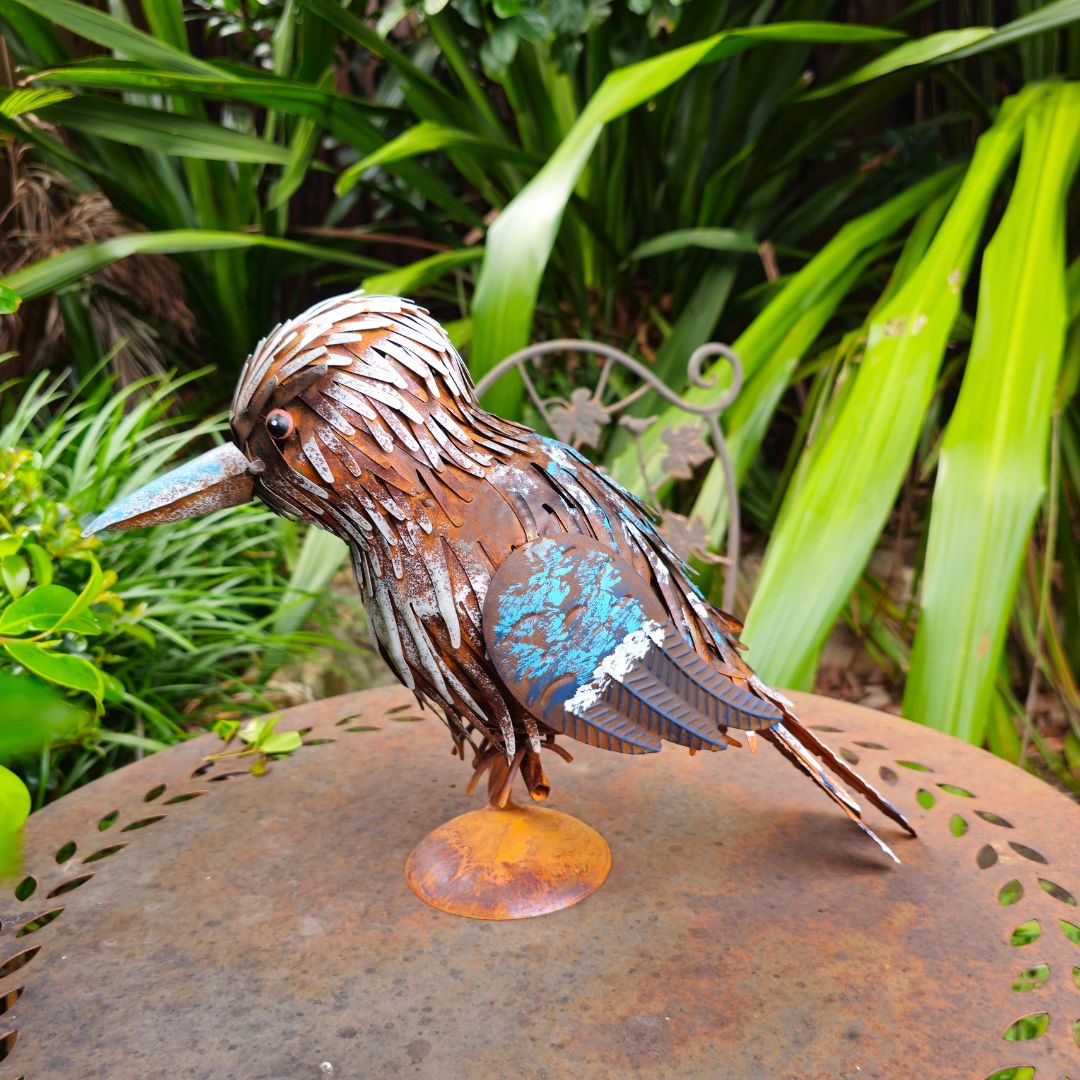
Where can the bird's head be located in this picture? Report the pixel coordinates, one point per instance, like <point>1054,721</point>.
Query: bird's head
<point>335,412</point>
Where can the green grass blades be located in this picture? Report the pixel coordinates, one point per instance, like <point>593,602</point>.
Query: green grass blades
<point>519,244</point>
<point>115,34</point>
<point>150,129</point>
<point>321,556</point>
<point>955,45</point>
<point>59,271</point>
<point>835,510</point>
<point>424,138</point>
<point>992,469</point>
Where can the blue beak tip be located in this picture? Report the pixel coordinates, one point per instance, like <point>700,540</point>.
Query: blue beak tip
<point>219,478</point>
<point>95,526</point>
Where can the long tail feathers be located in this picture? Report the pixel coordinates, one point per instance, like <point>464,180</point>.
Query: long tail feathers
<point>847,773</point>
<point>655,687</point>
<point>793,750</point>
<point>800,745</point>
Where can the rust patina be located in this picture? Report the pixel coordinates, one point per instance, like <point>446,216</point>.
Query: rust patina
<point>261,927</point>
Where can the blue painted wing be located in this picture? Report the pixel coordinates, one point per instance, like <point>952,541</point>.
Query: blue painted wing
<point>583,643</point>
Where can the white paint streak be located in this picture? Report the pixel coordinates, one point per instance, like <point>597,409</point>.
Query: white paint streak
<point>616,665</point>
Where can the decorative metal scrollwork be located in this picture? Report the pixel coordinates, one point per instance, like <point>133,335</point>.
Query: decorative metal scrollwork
<point>583,419</point>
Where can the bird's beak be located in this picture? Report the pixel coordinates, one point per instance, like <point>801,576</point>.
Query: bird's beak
<point>219,478</point>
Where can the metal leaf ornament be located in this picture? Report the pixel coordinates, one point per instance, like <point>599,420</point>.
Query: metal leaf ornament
<point>689,537</point>
<point>686,450</point>
<point>507,581</point>
<point>581,421</point>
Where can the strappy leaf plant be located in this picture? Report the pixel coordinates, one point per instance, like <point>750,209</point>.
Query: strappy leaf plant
<point>842,202</point>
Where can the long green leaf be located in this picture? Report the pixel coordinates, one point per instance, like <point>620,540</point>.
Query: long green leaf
<point>336,112</point>
<point>520,241</point>
<point>425,138</point>
<point>1044,17</point>
<point>911,54</point>
<point>832,519</point>
<point>64,269</point>
<point>19,102</point>
<point>87,22</point>
<point>950,45</point>
<point>344,117</point>
<point>166,133</point>
<point>710,239</point>
<point>992,469</point>
<point>405,280</point>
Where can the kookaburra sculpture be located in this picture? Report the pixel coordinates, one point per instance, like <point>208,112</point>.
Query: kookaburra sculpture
<point>506,579</point>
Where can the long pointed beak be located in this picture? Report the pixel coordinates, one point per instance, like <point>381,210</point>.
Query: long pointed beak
<point>219,478</point>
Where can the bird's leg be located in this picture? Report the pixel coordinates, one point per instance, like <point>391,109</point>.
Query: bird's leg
<point>501,779</point>
<point>532,772</point>
<point>490,759</point>
<point>483,759</point>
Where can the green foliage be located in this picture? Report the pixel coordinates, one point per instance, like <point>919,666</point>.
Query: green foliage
<point>261,742</point>
<point>840,500</point>
<point>992,470</point>
<point>32,715</point>
<point>168,167</point>
<point>177,618</point>
<point>584,169</point>
<point>14,810</point>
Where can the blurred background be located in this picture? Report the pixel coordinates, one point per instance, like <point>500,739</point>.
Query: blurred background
<point>874,202</point>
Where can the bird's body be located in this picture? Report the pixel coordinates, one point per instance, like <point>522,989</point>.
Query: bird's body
<point>360,417</point>
<point>433,494</point>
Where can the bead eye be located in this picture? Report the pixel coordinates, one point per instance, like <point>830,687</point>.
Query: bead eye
<point>280,424</point>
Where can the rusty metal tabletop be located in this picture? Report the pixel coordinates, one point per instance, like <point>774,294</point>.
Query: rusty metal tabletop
<point>191,920</point>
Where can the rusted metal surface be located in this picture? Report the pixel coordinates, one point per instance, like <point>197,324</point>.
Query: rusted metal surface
<point>507,861</point>
<point>264,927</point>
<point>510,862</point>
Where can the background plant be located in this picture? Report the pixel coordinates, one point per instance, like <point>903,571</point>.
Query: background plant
<point>842,201</point>
<point>175,632</point>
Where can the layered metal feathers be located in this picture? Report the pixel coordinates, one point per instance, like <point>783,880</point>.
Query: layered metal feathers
<point>439,502</point>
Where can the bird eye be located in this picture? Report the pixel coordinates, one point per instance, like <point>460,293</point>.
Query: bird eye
<point>280,424</point>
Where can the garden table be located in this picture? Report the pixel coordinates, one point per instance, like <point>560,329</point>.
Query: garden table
<point>192,920</point>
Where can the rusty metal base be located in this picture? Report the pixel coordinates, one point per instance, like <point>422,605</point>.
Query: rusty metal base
<point>509,862</point>
<point>187,920</point>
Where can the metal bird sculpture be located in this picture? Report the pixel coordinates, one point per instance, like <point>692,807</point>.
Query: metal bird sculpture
<point>506,579</point>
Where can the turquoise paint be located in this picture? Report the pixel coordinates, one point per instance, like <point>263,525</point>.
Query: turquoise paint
<point>558,625</point>
<point>198,477</point>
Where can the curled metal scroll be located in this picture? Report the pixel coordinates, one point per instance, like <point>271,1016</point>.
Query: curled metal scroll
<point>581,420</point>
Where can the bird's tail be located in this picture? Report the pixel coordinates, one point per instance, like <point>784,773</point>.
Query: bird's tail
<point>807,752</point>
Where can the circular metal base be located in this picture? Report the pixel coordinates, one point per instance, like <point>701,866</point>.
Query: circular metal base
<point>508,863</point>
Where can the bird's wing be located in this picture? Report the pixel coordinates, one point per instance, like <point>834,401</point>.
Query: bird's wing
<point>583,643</point>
